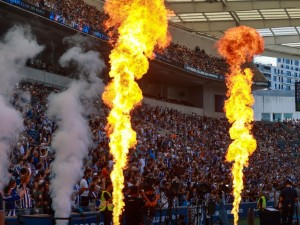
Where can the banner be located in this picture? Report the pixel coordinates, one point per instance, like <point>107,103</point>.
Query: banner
<point>29,7</point>
<point>203,74</point>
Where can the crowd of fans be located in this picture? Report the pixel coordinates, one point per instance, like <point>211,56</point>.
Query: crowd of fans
<point>80,15</point>
<point>179,155</point>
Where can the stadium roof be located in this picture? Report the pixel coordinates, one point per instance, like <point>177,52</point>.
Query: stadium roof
<point>278,21</point>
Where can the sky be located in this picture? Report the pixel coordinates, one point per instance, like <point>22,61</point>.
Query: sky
<point>266,60</point>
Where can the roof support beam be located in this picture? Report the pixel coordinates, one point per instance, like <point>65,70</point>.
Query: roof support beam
<point>235,17</point>
<point>224,25</point>
<point>228,6</point>
<point>278,40</point>
<point>224,2</point>
<point>279,51</point>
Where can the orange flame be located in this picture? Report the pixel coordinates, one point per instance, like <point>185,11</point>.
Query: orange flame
<point>237,46</point>
<point>141,25</point>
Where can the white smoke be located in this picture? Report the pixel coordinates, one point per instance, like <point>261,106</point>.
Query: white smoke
<point>81,41</point>
<point>72,139</point>
<point>89,66</point>
<point>16,47</point>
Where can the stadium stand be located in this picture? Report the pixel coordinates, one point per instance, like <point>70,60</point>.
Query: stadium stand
<point>186,150</point>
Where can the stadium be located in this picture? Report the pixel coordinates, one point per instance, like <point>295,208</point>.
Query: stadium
<point>149,112</point>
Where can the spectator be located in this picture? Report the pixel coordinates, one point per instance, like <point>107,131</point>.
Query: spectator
<point>10,197</point>
<point>106,206</point>
<point>150,199</point>
<point>134,207</point>
<point>84,188</point>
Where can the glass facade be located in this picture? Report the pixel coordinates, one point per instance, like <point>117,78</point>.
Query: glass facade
<point>287,116</point>
<point>265,117</point>
<point>277,116</point>
<point>284,75</point>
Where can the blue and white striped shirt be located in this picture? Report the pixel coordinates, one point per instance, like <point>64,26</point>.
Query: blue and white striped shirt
<point>26,201</point>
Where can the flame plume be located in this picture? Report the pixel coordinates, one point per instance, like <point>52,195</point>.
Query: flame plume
<point>140,26</point>
<point>237,46</point>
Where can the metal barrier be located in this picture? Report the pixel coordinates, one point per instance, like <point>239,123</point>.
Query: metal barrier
<point>191,215</point>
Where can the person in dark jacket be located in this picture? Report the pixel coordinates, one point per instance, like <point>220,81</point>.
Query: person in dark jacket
<point>288,198</point>
<point>134,207</point>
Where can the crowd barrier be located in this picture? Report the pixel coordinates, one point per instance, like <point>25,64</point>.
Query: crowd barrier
<point>190,214</point>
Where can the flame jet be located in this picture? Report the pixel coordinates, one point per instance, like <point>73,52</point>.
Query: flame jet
<point>137,26</point>
<point>238,46</point>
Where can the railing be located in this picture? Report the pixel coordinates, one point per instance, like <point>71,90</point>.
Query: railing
<point>191,215</point>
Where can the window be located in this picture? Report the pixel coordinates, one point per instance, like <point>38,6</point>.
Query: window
<point>274,78</point>
<point>219,103</point>
<point>287,61</point>
<point>276,116</point>
<point>287,67</point>
<point>279,60</point>
<point>288,73</point>
<point>289,80</point>
<point>296,62</point>
<point>287,116</point>
<point>275,86</point>
<point>265,117</point>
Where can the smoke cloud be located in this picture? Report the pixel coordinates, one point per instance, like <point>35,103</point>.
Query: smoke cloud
<point>78,40</point>
<point>72,139</point>
<point>16,47</point>
<point>89,65</point>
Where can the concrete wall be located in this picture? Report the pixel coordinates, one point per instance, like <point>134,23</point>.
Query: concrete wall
<point>274,104</point>
<point>209,93</point>
<point>96,3</point>
<point>192,40</point>
<point>45,77</point>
